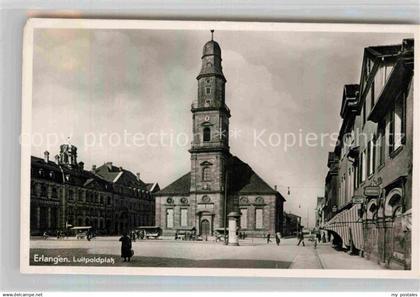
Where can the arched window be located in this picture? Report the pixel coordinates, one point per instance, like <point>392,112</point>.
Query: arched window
<point>206,134</point>
<point>206,173</point>
<point>372,210</point>
<point>393,201</point>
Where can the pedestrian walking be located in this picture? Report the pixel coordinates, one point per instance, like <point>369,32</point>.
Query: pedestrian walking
<point>45,235</point>
<point>278,237</point>
<point>133,236</point>
<point>126,252</point>
<point>301,238</point>
<point>268,238</point>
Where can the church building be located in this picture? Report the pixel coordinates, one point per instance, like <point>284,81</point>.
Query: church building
<point>218,182</point>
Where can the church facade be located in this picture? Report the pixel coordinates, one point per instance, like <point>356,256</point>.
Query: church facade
<point>218,182</point>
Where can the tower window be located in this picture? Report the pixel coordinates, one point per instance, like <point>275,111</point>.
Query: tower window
<point>208,90</point>
<point>206,134</point>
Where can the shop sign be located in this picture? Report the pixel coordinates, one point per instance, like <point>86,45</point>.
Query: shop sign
<point>358,200</point>
<point>372,191</point>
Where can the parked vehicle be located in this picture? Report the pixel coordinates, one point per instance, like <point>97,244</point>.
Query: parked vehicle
<point>186,234</point>
<point>147,232</point>
<point>83,232</point>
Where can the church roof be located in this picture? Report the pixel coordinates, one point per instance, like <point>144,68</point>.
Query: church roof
<point>181,186</point>
<point>242,180</point>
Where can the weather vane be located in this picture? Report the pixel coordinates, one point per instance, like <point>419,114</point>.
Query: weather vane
<point>212,31</point>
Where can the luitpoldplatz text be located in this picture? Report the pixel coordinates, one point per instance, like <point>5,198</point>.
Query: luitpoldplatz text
<point>61,260</point>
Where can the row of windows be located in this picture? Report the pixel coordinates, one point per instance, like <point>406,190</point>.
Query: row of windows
<point>170,218</point>
<point>41,190</point>
<point>388,139</point>
<point>259,218</point>
<point>135,192</point>
<point>90,211</point>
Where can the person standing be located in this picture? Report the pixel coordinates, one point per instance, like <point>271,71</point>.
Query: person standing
<point>268,238</point>
<point>125,247</point>
<point>278,237</point>
<point>301,238</point>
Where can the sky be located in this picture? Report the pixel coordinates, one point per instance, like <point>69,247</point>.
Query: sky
<point>95,86</point>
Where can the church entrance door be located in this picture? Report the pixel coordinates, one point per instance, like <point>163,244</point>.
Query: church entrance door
<point>205,228</point>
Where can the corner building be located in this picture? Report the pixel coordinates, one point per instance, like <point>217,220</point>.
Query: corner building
<point>110,199</point>
<point>218,182</point>
<point>374,157</point>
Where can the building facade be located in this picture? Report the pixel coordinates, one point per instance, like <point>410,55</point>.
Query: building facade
<point>374,153</point>
<point>64,194</point>
<point>319,212</point>
<point>218,182</point>
<point>291,224</point>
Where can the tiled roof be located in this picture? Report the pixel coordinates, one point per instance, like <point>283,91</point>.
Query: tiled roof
<point>181,186</point>
<point>119,175</point>
<point>243,180</point>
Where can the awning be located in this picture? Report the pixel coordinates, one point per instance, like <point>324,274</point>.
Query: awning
<point>347,225</point>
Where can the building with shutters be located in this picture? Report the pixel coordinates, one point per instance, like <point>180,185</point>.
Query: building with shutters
<point>218,182</point>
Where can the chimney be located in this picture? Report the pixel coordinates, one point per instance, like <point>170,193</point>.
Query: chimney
<point>93,167</point>
<point>46,156</point>
<point>81,165</point>
<point>275,187</point>
<point>138,175</point>
<point>57,159</point>
<point>120,168</point>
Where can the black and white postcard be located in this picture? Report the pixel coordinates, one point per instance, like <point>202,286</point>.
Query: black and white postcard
<point>220,148</point>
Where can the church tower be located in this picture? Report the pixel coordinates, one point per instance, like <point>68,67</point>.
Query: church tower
<point>210,145</point>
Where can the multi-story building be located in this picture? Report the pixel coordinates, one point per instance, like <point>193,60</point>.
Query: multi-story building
<point>331,187</point>
<point>63,193</point>
<point>375,158</point>
<point>291,224</point>
<point>319,212</point>
<point>218,183</point>
<point>133,201</point>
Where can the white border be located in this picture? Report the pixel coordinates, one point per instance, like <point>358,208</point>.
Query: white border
<point>200,25</point>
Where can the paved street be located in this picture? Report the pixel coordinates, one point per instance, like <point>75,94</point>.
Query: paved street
<point>168,253</point>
